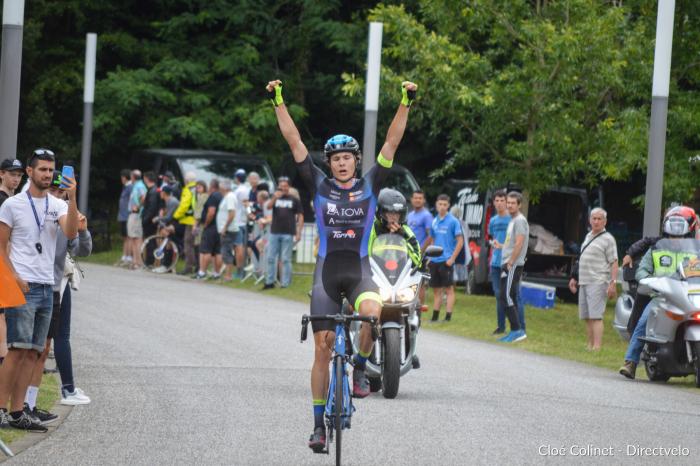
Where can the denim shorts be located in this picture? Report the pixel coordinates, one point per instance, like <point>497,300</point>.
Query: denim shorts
<point>28,325</point>
<point>241,236</point>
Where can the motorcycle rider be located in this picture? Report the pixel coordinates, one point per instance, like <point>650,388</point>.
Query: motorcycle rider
<point>679,222</point>
<point>390,217</point>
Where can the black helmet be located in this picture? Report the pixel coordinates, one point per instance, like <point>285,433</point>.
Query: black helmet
<point>390,200</point>
<point>342,143</point>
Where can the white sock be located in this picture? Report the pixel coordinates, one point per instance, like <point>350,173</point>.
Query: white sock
<point>32,393</point>
<point>128,259</point>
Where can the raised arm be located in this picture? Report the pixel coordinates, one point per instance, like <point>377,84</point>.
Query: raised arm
<point>285,122</point>
<point>398,124</point>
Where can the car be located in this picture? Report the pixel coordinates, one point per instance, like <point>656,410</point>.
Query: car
<point>207,164</point>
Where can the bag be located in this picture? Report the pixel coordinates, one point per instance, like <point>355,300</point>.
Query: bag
<point>574,268</point>
<point>73,272</point>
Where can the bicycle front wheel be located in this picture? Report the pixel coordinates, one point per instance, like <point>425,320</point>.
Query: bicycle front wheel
<point>340,382</point>
<point>159,254</point>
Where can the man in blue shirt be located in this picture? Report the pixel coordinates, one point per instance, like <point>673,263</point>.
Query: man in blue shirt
<point>445,232</point>
<point>123,215</point>
<point>498,226</point>
<point>419,221</point>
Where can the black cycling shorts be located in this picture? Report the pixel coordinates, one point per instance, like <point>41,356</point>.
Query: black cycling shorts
<point>440,275</point>
<point>341,273</point>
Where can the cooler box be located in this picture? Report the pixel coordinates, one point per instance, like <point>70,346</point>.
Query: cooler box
<point>535,295</point>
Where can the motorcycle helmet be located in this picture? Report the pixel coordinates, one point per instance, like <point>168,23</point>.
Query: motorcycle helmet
<point>680,221</point>
<point>390,200</point>
<point>342,143</point>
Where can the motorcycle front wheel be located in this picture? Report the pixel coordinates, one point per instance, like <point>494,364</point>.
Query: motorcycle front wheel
<point>391,372</point>
<point>654,374</point>
<point>696,364</point>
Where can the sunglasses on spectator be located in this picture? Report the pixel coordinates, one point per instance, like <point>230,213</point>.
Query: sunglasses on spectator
<point>282,179</point>
<point>42,154</point>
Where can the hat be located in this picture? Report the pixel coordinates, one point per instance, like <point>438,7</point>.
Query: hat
<point>11,165</point>
<point>167,189</point>
<point>169,174</point>
<point>240,174</point>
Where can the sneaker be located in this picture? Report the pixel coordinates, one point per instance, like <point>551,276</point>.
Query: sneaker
<point>519,335</point>
<point>4,419</point>
<point>214,276</point>
<point>268,286</point>
<point>200,276</point>
<point>44,416</point>
<point>77,397</point>
<point>317,441</point>
<point>415,363</point>
<point>25,422</point>
<point>498,331</point>
<point>360,384</point>
<point>507,339</point>
<point>629,369</point>
<point>29,413</point>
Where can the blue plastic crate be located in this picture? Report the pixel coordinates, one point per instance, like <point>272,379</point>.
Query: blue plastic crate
<point>536,295</point>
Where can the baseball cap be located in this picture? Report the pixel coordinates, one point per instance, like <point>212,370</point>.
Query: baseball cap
<point>166,188</point>
<point>11,165</point>
<point>240,174</point>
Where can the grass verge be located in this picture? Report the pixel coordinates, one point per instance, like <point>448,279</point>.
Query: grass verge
<point>553,332</point>
<point>48,396</point>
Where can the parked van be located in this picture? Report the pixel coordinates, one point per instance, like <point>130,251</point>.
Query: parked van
<point>559,217</point>
<point>207,164</point>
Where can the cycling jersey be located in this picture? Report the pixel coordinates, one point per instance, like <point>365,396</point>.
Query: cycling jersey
<point>344,219</point>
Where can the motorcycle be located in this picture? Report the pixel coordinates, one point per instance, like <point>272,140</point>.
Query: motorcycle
<point>399,282</point>
<point>672,340</point>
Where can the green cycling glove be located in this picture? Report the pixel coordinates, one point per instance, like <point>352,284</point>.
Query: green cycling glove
<point>407,96</point>
<point>276,98</point>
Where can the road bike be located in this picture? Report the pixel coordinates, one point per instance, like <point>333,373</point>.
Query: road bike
<point>339,407</point>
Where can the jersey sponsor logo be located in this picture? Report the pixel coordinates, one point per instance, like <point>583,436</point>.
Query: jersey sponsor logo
<point>344,234</point>
<point>355,195</point>
<point>332,209</point>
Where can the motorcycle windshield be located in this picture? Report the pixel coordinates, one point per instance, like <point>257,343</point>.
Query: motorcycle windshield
<point>688,252</point>
<point>390,252</point>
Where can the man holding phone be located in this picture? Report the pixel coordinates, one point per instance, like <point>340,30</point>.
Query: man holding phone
<point>29,223</point>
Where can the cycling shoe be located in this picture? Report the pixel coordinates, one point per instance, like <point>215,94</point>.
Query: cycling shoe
<point>360,384</point>
<point>317,441</point>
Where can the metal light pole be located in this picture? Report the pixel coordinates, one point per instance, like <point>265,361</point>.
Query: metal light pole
<point>659,112</point>
<point>374,61</point>
<point>10,73</point>
<point>88,99</point>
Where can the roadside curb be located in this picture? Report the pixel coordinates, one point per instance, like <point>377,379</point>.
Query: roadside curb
<point>32,438</point>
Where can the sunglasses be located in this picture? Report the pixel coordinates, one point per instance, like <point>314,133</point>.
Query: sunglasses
<point>42,154</point>
<point>282,179</point>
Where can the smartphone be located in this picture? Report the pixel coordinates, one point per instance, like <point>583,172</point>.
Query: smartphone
<point>67,171</point>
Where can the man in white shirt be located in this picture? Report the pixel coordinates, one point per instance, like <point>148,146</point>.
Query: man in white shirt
<point>226,226</point>
<point>29,224</point>
<point>242,193</point>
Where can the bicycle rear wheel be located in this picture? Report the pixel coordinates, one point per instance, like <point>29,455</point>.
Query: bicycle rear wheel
<point>160,254</point>
<point>339,404</point>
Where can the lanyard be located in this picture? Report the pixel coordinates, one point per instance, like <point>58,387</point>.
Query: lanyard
<point>39,224</point>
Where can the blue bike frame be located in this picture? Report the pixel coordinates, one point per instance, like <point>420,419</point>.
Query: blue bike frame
<point>339,357</point>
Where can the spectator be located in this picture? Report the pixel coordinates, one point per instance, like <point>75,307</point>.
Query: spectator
<point>287,223</point>
<point>10,177</point>
<point>446,232</point>
<point>202,195</point>
<point>211,241</point>
<point>597,277</point>
<point>254,183</point>
<point>185,216</point>
<point>29,225</point>
<point>170,205</point>
<point>242,193</point>
<point>151,205</point>
<point>497,231</point>
<point>512,261</point>
<point>419,220</point>
<point>262,228</point>
<point>80,246</point>
<point>227,228</point>
<point>170,180</point>
<point>123,216</point>
<point>134,228</point>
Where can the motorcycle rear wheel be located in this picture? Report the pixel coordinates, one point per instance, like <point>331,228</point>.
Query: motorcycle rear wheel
<point>654,374</point>
<point>696,363</point>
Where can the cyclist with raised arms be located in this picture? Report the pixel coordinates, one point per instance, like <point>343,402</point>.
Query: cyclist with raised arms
<point>344,206</point>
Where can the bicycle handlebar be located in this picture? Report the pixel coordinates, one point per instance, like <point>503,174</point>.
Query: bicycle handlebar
<point>340,318</point>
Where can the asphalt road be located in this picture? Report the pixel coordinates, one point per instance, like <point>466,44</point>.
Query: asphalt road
<point>191,373</point>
